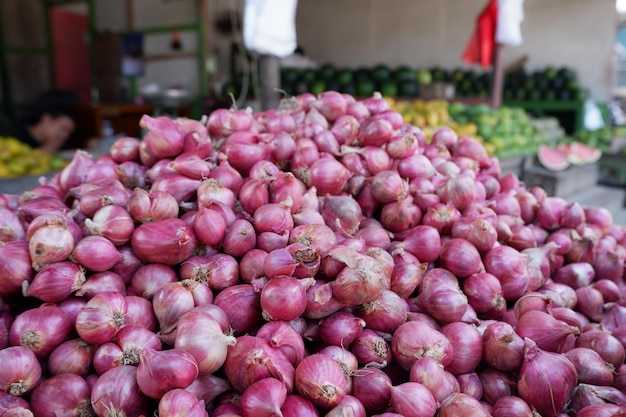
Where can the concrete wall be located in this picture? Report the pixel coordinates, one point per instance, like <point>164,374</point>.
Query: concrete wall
<point>420,33</point>
<point>577,33</point>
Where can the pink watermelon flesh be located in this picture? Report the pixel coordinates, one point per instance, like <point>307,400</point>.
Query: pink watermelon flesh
<point>553,159</point>
<point>580,154</point>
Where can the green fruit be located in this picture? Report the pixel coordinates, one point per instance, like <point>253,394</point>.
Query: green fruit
<point>317,87</point>
<point>424,76</point>
<point>380,73</point>
<point>327,72</point>
<point>365,88</point>
<point>361,74</point>
<point>309,76</point>
<point>389,88</point>
<point>345,76</point>
<point>408,89</point>
<point>404,73</point>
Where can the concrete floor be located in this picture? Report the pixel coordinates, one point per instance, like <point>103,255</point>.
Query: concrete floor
<point>610,197</point>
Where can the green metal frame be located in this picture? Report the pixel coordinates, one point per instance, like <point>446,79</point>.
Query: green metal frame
<point>7,104</point>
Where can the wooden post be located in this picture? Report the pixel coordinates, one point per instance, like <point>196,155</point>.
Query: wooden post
<point>497,83</point>
<point>269,74</point>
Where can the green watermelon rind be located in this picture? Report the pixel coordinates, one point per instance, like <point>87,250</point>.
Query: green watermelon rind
<point>548,158</point>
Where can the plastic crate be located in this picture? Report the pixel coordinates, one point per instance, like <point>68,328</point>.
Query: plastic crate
<point>560,183</point>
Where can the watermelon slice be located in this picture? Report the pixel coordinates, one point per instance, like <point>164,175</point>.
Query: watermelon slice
<point>581,154</point>
<point>552,158</point>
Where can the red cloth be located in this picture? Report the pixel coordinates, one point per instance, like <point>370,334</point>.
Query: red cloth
<point>482,44</point>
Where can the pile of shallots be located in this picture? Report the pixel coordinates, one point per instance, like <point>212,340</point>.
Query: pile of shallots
<point>320,259</point>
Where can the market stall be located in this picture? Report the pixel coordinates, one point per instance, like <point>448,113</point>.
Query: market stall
<point>338,254</point>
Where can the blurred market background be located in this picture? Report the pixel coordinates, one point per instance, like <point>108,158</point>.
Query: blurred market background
<point>564,84</point>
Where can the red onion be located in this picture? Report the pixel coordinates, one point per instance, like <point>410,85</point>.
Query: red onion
<point>14,273</point>
<point>100,319</point>
<point>284,298</point>
<point>431,375</point>
<point>296,406</point>
<point>11,405</point>
<point>371,349</point>
<point>320,301</point>
<point>145,207</point>
<point>414,339</point>
<point>605,344</point>
<point>75,173</point>
<point>285,338</point>
<point>49,244</point>
<point>547,332</point>
<point>412,399</point>
<point>462,404</point>
<point>467,347</point>
<point>372,387</point>
<point>385,313</point>
<point>125,149</point>
<point>263,398</point>
<point>509,266</point>
<point>340,328</point>
<point>73,356</point>
<point>66,393</point>
<point>149,278</point>
<point>96,253</point>
<point>600,410</point>
<point>170,302</point>
<point>349,405</point>
<point>208,387</point>
<point>497,384</point>
<point>590,366</point>
<point>546,379</point>
<point>242,306</point>
<point>328,176</point>
<point>503,348</point>
<point>319,379</point>
<point>253,359</point>
<point>341,213</point>
<point>10,227</point>
<point>201,335</point>
<point>227,175</point>
<point>164,138</point>
<point>21,370</point>
<point>40,329</point>
<point>169,241</point>
<point>55,282</point>
<point>470,384</point>
<point>181,403</point>
<point>161,371</point>
<point>484,294</point>
<point>116,391</point>
<point>446,303</point>
<point>240,238</point>
<point>511,407</point>
<point>361,280</point>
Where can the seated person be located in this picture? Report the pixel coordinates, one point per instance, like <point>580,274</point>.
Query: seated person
<point>50,122</point>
